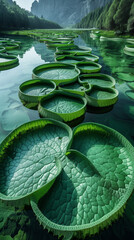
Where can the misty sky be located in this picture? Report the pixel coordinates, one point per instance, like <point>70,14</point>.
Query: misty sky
<point>25,3</point>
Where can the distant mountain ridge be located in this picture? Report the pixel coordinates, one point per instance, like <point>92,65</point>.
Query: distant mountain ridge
<point>14,17</point>
<point>65,12</point>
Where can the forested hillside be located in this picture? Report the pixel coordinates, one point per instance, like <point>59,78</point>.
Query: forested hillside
<point>117,15</point>
<point>14,17</point>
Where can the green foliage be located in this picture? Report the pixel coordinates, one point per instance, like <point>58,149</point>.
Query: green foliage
<point>116,15</point>
<point>14,17</point>
<point>130,25</point>
<point>122,14</point>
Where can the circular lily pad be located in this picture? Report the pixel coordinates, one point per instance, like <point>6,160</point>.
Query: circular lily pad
<point>30,159</point>
<point>98,79</point>
<point>95,183</point>
<point>130,94</point>
<point>57,72</point>
<point>33,90</point>
<point>7,60</point>
<point>62,106</point>
<point>129,53</point>
<point>88,57</point>
<point>88,67</point>
<point>75,88</point>
<point>101,97</point>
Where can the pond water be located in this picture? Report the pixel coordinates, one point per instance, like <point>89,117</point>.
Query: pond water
<point>12,114</point>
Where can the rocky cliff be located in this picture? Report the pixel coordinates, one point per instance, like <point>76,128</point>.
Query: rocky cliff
<point>65,12</point>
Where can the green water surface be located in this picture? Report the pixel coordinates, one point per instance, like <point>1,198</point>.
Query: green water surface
<point>121,117</point>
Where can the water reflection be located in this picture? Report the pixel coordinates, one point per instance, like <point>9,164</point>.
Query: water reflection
<point>121,67</point>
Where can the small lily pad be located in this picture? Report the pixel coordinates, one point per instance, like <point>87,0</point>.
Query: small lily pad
<point>62,106</point>
<point>88,67</point>
<point>101,97</point>
<point>98,79</point>
<point>57,72</point>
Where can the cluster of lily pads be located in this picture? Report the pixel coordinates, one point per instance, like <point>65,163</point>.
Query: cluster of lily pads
<point>76,181</point>
<point>63,89</point>
<point>8,61</point>
<point>129,47</point>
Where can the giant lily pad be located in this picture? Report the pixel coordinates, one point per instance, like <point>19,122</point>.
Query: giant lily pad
<point>88,67</point>
<point>62,106</point>
<point>128,77</point>
<point>69,59</point>
<point>7,60</point>
<point>129,48</point>
<point>30,159</point>
<point>57,72</point>
<point>95,183</point>
<point>74,50</point>
<point>101,97</point>
<point>33,90</point>
<point>98,79</point>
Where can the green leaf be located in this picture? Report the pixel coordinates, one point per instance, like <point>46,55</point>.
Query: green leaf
<point>88,67</point>
<point>33,90</point>
<point>101,97</point>
<point>95,183</point>
<point>131,85</point>
<point>98,79</point>
<point>30,159</point>
<point>62,106</point>
<point>13,117</point>
<point>57,72</point>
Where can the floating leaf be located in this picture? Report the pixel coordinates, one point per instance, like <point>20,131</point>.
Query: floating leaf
<point>62,106</point>
<point>29,159</point>
<point>57,72</point>
<point>94,185</point>
<point>101,97</point>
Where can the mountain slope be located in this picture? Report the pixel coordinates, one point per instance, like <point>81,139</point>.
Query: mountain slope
<point>65,12</point>
<point>116,15</point>
<point>14,17</point>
